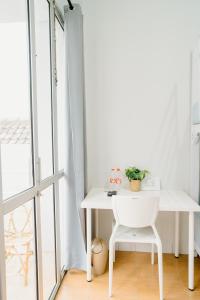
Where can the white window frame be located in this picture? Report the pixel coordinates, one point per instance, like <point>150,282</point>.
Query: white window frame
<point>23,197</point>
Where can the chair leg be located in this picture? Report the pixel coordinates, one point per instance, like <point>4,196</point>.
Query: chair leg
<point>110,268</point>
<point>160,271</point>
<point>113,225</point>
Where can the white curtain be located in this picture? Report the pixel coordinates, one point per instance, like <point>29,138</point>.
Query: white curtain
<point>75,167</point>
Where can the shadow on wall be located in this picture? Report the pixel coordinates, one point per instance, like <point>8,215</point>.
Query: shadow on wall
<point>171,144</point>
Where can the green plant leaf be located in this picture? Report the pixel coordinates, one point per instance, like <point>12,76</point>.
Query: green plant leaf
<point>133,173</point>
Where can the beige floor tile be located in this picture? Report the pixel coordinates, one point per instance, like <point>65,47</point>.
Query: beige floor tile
<point>134,279</point>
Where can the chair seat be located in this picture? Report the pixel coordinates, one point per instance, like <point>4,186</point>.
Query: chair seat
<point>135,235</point>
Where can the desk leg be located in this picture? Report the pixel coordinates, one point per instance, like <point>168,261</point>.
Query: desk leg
<point>89,244</point>
<point>191,252</point>
<point>176,252</point>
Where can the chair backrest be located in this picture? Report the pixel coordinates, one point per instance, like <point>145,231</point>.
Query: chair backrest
<point>135,211</point>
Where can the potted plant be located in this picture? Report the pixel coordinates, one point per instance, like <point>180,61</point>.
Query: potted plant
<point>135,176</point>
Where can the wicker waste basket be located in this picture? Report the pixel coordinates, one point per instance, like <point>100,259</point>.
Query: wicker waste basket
<point>99,256</point>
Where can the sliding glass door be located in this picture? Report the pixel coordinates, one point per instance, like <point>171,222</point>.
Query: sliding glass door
<point>31,150</point>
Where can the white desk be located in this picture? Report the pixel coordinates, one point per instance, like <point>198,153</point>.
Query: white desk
<point>174,201</point>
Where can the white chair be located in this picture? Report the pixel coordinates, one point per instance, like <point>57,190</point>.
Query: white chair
<point>135,223</point>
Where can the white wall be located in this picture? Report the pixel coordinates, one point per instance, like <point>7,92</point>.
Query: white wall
<point>137,64</point>
<point>195,172</point>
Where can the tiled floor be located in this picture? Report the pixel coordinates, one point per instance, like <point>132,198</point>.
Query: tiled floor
<point>134,279</point>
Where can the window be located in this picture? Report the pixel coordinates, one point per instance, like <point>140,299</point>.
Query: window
<point>15,119</point>
<point>61,131</point>
<point>60,92</point>
<point>44,100</point>
<point>20,253</point>
<point>48,241</point>
<point>31,165</point>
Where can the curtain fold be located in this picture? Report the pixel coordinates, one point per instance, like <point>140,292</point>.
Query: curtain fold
<point>75,167</point>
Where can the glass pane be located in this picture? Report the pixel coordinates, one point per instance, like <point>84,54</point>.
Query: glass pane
<point>60,92</point>
<point>15,125</point>
<point>48,241</point>
<point>63,224</point>
<point>44,87</point>
<point>20,253</point>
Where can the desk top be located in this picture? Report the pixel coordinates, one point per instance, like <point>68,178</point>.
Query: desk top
<point>169,200</point>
